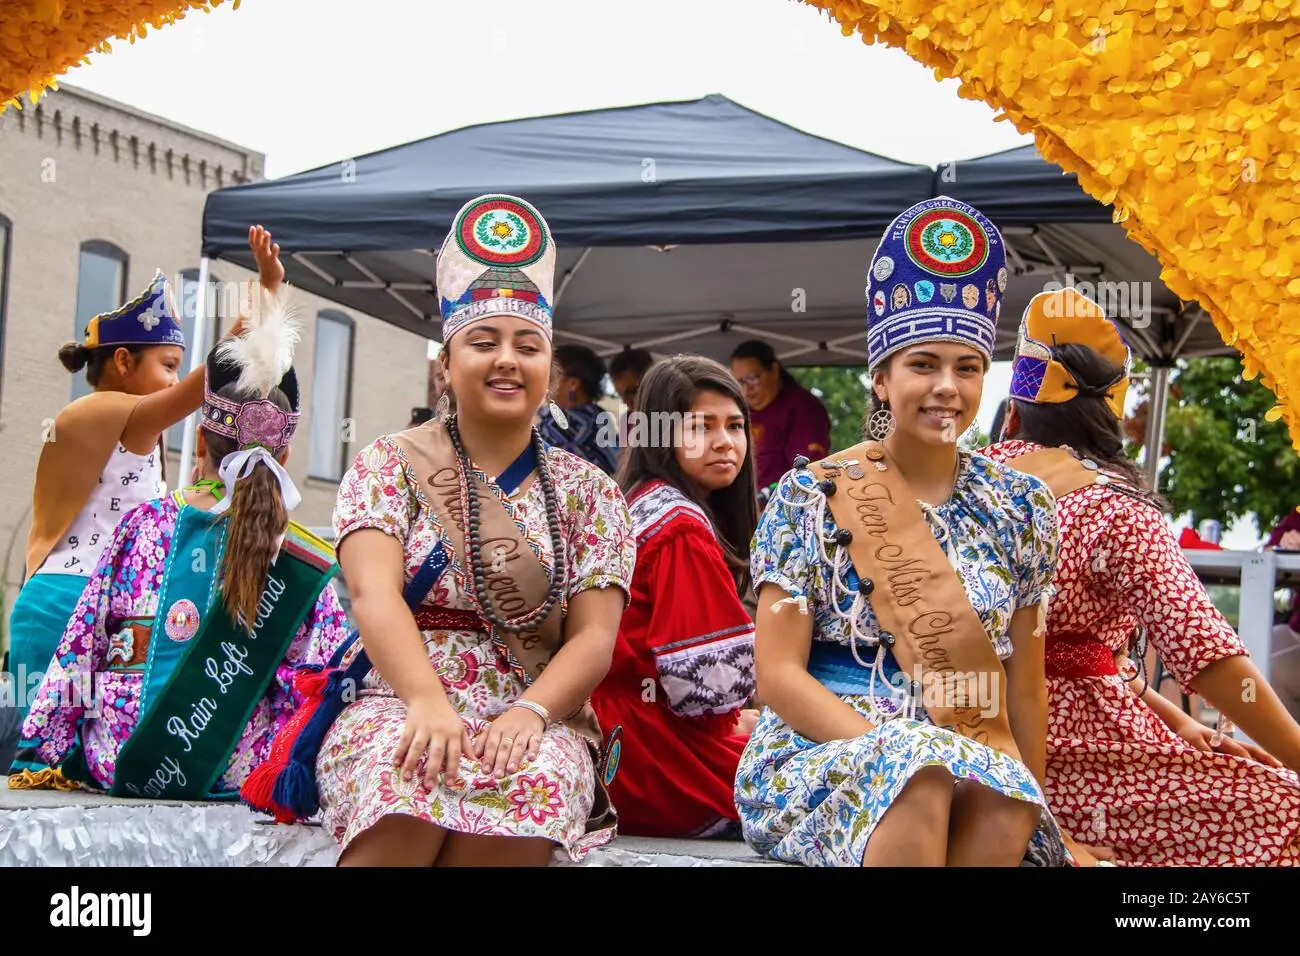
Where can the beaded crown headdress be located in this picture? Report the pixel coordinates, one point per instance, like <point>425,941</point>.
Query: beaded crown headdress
<point>938,275</point>
<point>257,362</point>
<point>498,258</point>
<point>148,319</point>
<point>1064,317</point>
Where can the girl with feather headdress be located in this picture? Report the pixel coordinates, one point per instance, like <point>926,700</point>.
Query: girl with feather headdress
<point>176,668</point>
<point>101,457</point>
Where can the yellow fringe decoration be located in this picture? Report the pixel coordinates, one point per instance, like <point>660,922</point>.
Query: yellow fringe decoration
<point>1182,115</point>
<point>47,779</point>
<point>42,39</point>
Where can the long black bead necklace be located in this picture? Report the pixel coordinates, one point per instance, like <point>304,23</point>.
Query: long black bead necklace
<point>528,621</point>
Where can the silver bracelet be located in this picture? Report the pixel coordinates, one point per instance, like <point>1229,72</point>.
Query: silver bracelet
<point>537,709</point>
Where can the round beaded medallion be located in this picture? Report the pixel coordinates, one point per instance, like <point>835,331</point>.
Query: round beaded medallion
<point>182,621</point>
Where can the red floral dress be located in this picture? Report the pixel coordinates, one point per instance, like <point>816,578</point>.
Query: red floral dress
<point>683,668</point>
<point>1117,775</point>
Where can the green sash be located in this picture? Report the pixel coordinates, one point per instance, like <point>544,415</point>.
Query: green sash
<point>204,677</point>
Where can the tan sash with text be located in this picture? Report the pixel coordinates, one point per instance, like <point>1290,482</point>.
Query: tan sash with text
<point>515,579</point>
<point>920,600</point>
<point>1056,468</point>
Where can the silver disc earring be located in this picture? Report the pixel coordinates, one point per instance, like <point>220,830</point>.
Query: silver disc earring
<point>881,423</point>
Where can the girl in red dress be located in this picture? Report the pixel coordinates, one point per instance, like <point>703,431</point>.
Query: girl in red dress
<point>683,668</point>
<point>1126,769</point>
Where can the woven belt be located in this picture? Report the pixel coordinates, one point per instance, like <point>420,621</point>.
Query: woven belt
<point>432,617</point>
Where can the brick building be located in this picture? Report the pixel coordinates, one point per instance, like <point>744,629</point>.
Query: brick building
<point>94,197</point>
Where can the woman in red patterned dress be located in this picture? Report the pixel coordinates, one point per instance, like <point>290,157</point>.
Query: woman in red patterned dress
<point>683,668</point>
<point>1152,785</point>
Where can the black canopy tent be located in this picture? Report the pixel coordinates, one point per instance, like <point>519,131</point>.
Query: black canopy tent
<point>689,227</point>
<point>672,220</point>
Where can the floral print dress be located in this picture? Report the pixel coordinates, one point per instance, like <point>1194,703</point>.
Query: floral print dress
<point>818,804</point>
<point>1117,776</point>
<point>125,586</point>
<point>552,797</point>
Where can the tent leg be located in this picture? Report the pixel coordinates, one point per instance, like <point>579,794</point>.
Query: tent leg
<point>197,357</point>
<point>1155,437</point>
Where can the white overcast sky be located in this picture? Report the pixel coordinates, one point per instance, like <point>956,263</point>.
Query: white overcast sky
<point>311,82</point>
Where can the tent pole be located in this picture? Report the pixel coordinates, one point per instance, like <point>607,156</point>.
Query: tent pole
<point>197,358</point>
<point>1155,437</point>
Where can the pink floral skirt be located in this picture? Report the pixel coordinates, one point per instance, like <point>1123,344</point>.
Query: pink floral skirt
<point>551,797</point>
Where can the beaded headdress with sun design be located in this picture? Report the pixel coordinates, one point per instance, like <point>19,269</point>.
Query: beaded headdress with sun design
<point>498,259</point>
<point>938,275</point>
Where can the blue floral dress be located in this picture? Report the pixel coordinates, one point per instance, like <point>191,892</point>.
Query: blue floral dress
<point>818,804</point>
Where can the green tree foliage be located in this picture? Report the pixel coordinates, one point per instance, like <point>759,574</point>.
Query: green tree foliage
<point>846,393</point>
<point>1226,461</point>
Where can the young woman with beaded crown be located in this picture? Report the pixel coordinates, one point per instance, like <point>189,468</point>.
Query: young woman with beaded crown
<point>488,573</point>
<point>900,586</point>
<point>212,583</point>
<point>1126,768</point>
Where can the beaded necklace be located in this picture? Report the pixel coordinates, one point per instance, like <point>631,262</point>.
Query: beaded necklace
<point>528,621</point>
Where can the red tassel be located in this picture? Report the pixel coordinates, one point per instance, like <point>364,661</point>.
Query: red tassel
<point>310,683</point>
<point>259,784</point>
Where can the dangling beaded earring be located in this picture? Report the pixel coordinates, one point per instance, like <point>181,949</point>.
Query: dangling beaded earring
<point>443,408</point>
<point>557,413</point>
<point>881,423</point>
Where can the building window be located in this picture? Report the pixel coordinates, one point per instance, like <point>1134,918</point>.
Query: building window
<point>187,301</point>
<point>331,395</point>
<point>6,230</point>
<point>101,287</point>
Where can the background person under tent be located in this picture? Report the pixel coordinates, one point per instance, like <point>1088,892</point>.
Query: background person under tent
<point>787,419</point>
<point>576,383</point>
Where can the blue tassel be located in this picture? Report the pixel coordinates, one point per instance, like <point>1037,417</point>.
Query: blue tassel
<point>295,787</point>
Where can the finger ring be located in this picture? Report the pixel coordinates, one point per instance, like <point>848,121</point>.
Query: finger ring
<point>507,740</point>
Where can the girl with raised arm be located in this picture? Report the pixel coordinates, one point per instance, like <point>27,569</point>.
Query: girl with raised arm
<point>177,666</point>
<point>102,457</point>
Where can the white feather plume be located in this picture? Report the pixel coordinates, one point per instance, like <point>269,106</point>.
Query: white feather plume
<point>264,353</point>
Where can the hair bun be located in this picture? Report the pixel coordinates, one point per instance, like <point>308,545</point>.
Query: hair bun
<point>74,356</point>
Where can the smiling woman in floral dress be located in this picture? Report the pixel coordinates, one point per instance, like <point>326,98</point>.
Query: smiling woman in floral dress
<point>907,560</point>
<point>488,573</point>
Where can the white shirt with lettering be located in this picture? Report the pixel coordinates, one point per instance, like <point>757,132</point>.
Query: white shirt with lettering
<point>128,480</point>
